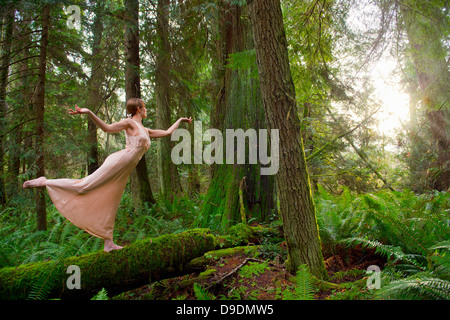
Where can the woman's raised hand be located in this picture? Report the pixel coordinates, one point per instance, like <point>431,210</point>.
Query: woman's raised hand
<point>187,119</point>
<point>78,110</point>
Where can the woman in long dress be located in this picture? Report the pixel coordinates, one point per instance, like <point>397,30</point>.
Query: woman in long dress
<point>91,203</point>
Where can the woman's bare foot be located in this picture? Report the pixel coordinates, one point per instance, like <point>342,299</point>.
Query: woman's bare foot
<point>39,182</point>
<point>110,245</point>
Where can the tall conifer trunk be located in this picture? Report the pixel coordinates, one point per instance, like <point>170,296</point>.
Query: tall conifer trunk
<point>278,92</point>
<point>94,95</point>
<point>431,66</point>
<point>41,213</point>
<point>140,185</point>
<point>8,21</point>
<point>168,174</point>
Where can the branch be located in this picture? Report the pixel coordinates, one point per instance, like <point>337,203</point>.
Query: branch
<point>315,154</point>
<point>362,156</point>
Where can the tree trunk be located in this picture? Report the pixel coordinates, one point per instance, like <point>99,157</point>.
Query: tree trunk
<point>430,62</point>
<point>41,213</point>
<point>135,265</point>
<point>94,100</point>
<point>278,92</point>
<point>140,185</point>
<point>237,192</point>
<point>8,20</point>
<point>439,122</point>
<point>169,178</point>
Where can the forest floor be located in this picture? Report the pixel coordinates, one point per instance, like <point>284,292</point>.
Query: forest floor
<point>246,277</point>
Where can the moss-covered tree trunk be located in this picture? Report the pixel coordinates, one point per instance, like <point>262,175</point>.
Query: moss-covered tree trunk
<point>117,271</point>
<point>278,92</point>
<point>237,105</point>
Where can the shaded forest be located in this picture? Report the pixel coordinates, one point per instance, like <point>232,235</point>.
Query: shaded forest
<point>351,201</point>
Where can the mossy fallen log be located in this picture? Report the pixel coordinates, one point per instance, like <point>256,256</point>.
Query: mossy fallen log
<point>137,264</point>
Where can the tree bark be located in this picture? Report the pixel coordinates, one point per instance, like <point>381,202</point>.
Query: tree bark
<point>8,20</point>
<point>140,263</point>
<point>431,66</point>
<point>169,178</point>
<point>140,184</point>
<point>278,92</point>
<point>94,85</point>
<point>41,213</point>
<point>237,192</point>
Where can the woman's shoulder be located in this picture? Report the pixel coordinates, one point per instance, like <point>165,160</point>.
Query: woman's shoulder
<point>128,121</point>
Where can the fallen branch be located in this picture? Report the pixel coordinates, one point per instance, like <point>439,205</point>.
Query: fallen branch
<point>229,274</point>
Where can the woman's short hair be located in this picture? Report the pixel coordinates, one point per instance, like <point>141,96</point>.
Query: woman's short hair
<point>133,104</point>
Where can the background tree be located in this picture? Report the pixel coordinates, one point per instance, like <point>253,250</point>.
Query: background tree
<point>425,26</point>
<point>7,15</point>
<point>169,179</point>
<point>41,213</point>
<point>142,192</point>
<point>237,192</point>
<point>94,100</point>
<point>278,92</point>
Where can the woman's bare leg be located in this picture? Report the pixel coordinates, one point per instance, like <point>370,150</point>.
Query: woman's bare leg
<point>39,182</point>
<point>110,245</point>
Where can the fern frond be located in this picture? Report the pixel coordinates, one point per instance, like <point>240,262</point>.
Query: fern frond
<point>101,295</point>
<point>44,283</point>
<point>418,287</point>
<point>201,293</point>
<point>304,288</point>
<point>441,245</point>
<point>386,250</point>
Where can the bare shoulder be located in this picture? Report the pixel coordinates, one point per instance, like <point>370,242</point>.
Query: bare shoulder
<point>126,120</point>
<point>123,124</point>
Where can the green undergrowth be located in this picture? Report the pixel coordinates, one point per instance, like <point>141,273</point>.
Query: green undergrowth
<point>405,234</point>
<point>409,230</point>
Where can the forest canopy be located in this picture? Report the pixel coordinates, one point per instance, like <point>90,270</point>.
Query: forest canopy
<point>352,96</point>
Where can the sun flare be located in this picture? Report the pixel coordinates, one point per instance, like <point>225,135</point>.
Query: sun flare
<point>395,102</point>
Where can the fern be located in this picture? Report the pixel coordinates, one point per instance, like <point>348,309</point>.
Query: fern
<point>253,269</point>
<point>439,262</point>
<point>388,251</point>
<point>44,283</point>
<point>303,288</point>
<point>101,295</point>
<point>202,294</point>
<point>419,286</point>
<point>338,276</point>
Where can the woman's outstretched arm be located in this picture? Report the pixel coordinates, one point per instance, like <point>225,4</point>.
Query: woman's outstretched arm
<point>112,128</point>
<point>156,133</point>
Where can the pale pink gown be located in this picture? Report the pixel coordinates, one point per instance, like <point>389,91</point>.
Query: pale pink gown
<point>91,203</point>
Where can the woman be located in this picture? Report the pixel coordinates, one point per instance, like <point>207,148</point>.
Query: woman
<point>91,203</point>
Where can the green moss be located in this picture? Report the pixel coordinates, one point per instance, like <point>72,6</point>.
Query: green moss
<point>211,256</point>
<point>207,273</point>
<point>241,232</point>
